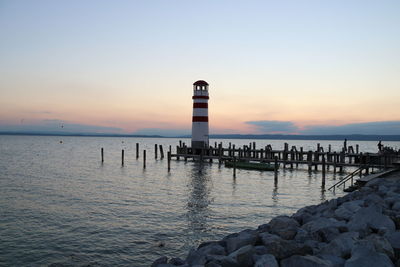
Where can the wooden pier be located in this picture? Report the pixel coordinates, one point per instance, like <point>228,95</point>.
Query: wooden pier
<point>321,158</point>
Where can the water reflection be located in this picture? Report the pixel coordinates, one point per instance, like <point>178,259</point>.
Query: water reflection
<point>275,193</point>
<point>198,210</point>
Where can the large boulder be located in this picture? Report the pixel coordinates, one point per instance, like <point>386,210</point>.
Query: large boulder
<point>221,261</point>
<point>394,240</point>
<point>159,261</point>
<point>305,261</point>
<point>243,256</point>
<point>284,227</point>
<point>341,246</point>
<point>321,223</point>
<point>364,254</point>
<point>199,256</point>
<point>238,240</point>
<point>370,218</point>
<point>282,248</point>
<point>266,260</point>
<point>381,245</point>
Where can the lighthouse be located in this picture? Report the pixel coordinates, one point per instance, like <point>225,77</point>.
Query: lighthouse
<point>200,116</point>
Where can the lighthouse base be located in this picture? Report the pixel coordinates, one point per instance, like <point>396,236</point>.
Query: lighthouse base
<point>198,147</point>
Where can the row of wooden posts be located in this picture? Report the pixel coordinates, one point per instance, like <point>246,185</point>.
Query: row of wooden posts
<point>156,148</point>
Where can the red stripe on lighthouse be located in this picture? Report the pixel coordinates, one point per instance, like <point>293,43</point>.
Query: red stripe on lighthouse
<point>200,97</point>
<point>200,105</point>
<point>200,119</point>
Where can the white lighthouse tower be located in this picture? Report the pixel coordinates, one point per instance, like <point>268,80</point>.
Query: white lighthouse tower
<point>200,116</point>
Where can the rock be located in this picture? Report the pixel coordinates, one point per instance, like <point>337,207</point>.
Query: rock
<point>381,245</point>
<point>243,256</point>
<point>266,260</point>
<point>212,249</point>
<point>373,198</point>
<point>334,260</point>
<point>364,254</point>
<point>394,240</point>
<point>161,260</point>
<point>195,257</point>
<point>244,238</point>
<point>341,246</point>
<point>325,234</point>
<point>263,228</point>
<point>284,227</point>
<point>176,261</point>
<point>220,260</point>
<point>305,261</point>
<point>198,257</point>
<point>343,214</point>
<point>321,223</point>
<point>374,182</point>
<point>260,250</point>
<point>396,206</point>
<point>369,217</point>
<point>282,248</point>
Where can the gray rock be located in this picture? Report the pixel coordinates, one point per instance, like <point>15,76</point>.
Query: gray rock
<point>220,260</point>
<point>343,214</point>
<point>266,260</point>
<point>305,261</point>
<point>369,217</point>
<point>394,240</point>
<point>263,228</point>
<point>325,234</point>
<point>341,246</point>
<point>176,261</point>
<point>373,199</point>
<point>374,182</point>
<point>396,206</point>
<point>381,245</point>
<point>244,238</point>
<point>284,227</point>
<point>334,260</point>
<point>196,257</point>
<point>321,223</point>
<point>260,250</point>
<point>243,256</point>
<point>364,254</point>
<point>282,248</point>
<point>161,260</point>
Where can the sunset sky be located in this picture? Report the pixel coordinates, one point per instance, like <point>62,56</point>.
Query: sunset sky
<point>298,67</point>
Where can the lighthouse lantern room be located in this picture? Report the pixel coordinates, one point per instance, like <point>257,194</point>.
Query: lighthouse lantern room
<point>200,98</point>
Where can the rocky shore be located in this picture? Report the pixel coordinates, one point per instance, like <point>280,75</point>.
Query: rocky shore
<point>359,229</point>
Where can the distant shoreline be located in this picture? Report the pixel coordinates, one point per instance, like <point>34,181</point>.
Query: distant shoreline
<point>354,137</point>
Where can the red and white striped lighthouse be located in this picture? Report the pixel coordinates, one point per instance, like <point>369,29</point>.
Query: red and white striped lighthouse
<point>200,116</point>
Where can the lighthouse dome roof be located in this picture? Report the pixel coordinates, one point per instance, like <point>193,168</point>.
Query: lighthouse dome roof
<point>200,82</point>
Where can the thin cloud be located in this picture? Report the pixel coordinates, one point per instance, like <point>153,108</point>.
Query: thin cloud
<point>367,128</point>
<point>273,127</point>
<point>370,128</point>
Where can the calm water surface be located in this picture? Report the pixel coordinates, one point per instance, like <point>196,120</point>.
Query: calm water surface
<point>60,204</point>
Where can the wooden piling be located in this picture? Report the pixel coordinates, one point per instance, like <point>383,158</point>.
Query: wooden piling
<point>137,150</point>
<point>276,166</point>
<point>144,159</point>
<point>155,151</point>
<point>122,157</point>
<point>323,171</point>
<point>161,151</point>
<point>102,155</point>
<point>180,143</point>
<point>234,167</point>
<point>169,160</point>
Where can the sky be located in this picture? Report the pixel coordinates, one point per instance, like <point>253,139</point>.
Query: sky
<point>293,67</point>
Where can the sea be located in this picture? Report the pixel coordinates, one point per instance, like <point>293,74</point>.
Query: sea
<point>61,206</point>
